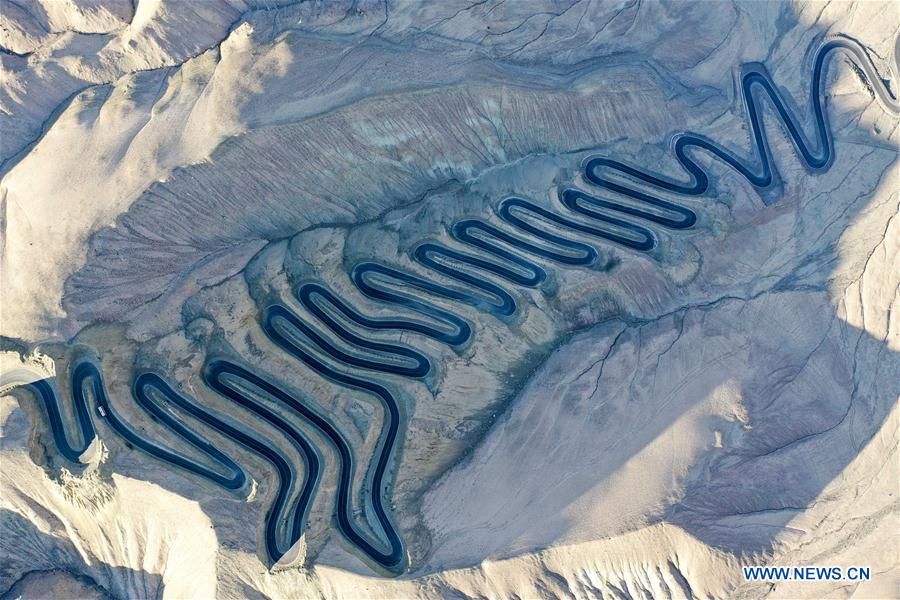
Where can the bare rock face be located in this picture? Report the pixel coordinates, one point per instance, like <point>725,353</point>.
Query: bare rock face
<point>540,299</point>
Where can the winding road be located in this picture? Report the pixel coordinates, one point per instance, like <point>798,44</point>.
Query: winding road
<point>504,252</point>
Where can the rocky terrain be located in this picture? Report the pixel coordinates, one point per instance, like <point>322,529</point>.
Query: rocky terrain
<point>714,385</point>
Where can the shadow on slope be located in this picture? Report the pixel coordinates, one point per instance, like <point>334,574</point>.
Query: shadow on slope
<point>34,564</point>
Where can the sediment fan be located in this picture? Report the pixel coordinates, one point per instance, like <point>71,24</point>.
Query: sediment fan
<point>503,253</point>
